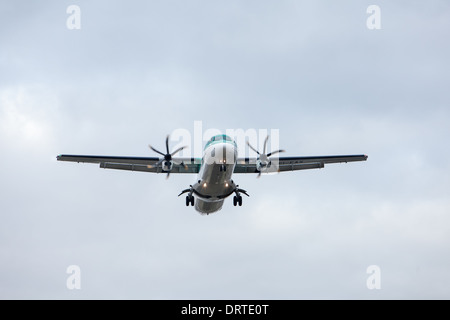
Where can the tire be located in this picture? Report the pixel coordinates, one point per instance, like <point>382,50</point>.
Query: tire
<point>240,201</point>
<point>192,201</point>
<point>187,201</point>
<point>235,201</point>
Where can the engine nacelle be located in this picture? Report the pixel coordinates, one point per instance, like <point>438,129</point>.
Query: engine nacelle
<point>167,165</point>
<point>262,166</point>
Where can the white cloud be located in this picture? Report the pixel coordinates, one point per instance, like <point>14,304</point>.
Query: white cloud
<point>27,115</point>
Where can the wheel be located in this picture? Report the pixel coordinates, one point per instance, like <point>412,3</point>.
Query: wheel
<point>192,201</point>
<point>240,201</point>
<point>187,201</point>
<point>235,201</point>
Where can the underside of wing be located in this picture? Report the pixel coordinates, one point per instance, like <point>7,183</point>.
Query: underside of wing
<point>144,164</point>
<point>249,165</point>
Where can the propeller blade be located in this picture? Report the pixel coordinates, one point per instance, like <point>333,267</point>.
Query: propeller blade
<point>168,174</point>
<point>274,152</point>
<point>167,144</point>
<point>252,148</point>
<point>157,151</point>
<point>178,150</point>
<point>265,144</point>
<point>259,175</point>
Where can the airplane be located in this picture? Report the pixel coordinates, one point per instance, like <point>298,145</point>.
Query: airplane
<point>214,170</point>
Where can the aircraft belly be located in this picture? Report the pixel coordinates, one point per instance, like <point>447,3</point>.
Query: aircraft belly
<point>207,207</point>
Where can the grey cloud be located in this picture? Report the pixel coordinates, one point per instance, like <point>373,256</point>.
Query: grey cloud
<point>138,70</point>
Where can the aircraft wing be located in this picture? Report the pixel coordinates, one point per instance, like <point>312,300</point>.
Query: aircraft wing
<point>145,164</point>
<point>248,165</point>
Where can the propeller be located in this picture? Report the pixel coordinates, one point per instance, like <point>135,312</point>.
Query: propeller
<point>263,160</point>
<point>166,161</point>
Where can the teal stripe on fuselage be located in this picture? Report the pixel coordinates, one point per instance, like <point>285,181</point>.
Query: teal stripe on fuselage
<point>210,143</point>
<point>222,138</point>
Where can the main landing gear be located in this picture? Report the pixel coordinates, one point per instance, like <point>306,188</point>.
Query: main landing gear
<point>189,197</point>
<point>237,199</point>
<point>189,200</point>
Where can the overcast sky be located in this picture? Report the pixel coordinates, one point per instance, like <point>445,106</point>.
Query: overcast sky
<point>138,70</point>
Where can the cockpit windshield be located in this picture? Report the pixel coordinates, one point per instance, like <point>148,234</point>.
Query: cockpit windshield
<point>219,138</point>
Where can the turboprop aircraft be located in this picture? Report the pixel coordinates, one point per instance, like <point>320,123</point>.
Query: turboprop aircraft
<point>214,170</point>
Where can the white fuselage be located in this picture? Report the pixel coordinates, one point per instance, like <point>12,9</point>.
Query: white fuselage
<point>214,182</point>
